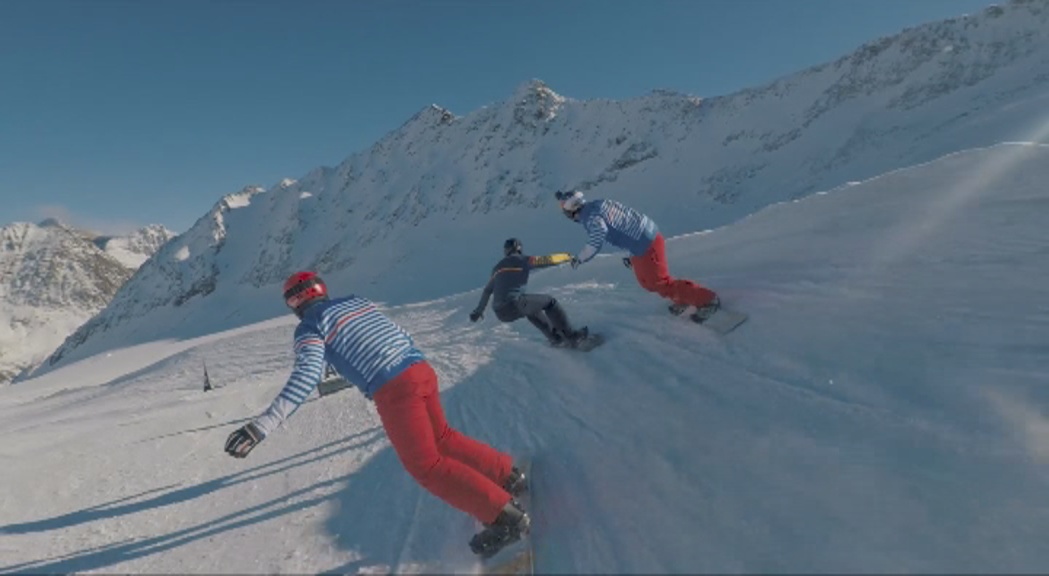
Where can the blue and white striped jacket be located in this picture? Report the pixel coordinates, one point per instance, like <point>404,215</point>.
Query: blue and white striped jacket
<point>361,344</point>
<point>619,225</point>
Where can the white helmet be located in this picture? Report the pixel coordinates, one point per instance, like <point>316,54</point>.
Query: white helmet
<point>571,202</point>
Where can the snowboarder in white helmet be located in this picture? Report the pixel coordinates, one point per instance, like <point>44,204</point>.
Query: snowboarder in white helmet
<point>511,303</point>
<point>380,358</point>
<point>621,226</point>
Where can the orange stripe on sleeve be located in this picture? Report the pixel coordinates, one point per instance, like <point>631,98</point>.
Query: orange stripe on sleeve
<point>505,270</point>
<point>302,343</point>
<point>346,319</point>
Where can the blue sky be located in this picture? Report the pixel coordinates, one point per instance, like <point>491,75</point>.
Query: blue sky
<point>117,113</point>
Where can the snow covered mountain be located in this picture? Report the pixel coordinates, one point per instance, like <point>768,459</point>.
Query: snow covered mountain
<point>378,222</point>
<point>53,278</point>
<point>133,249</point>
<point>883,411</point>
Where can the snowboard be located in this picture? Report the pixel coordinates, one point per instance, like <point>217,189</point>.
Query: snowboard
<point>723,321</point>
<point>518,557</point>
<point>586,344</point>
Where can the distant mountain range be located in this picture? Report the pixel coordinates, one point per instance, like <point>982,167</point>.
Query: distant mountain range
<point>388,219</point>
<point>54,277</point>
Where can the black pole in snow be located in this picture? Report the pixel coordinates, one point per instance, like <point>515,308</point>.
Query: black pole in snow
<point>207,380</point>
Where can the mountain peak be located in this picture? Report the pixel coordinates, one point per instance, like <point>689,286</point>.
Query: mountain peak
<point>51,222</point>
<point>241,198</point>
<point>535,101</point>
<point>534,88</point>
<point>134,248</point>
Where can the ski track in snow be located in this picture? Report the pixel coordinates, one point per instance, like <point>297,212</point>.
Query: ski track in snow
<point>883,410</point>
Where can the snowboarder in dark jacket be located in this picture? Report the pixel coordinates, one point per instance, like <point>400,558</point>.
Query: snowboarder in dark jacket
<point>510,302</point>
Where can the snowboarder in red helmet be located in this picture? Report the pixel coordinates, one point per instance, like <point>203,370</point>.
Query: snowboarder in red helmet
<point>380,358</point>
<point>302,289</point>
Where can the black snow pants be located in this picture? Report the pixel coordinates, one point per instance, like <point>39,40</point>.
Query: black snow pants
<point>542,311</point>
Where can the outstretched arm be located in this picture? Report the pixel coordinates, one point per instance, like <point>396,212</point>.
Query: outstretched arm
<point>306,374</point>
<point>549,260</point>
<point>596,231</point>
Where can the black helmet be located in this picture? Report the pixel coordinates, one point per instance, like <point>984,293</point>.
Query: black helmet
<point>512,246</point>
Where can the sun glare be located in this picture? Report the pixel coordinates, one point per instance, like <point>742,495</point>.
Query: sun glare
<point>939,206</point>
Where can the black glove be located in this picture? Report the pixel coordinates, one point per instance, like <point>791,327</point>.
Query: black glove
<point>627,262</point>
<point>476,315</point>
<point>575,262</point>
<point>243,440</point>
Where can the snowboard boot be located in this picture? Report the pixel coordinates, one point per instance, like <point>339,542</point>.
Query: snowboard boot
<point>578,336</point>
<point>677,309</point>
<point>556,338</point>
<point>516,484</point>
<point>703,313</point>
<point>509,527</point>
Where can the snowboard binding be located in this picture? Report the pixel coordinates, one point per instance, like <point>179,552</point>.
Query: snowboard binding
<point>703,313</point>
<point>512,524</point>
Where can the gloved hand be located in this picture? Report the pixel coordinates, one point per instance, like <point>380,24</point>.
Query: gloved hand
<point>243,440</point>
<point>627,262</point>
<point>476,315</point>
<point>575,262</point>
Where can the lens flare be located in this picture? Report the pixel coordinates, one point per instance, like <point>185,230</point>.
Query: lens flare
<point>931,212</point>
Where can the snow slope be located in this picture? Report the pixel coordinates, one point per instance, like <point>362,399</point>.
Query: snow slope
<point>884,410</point>
<point>444,187</point>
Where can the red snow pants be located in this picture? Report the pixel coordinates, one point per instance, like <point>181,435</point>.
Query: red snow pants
<point>654,275</point>
<point>463,472</point>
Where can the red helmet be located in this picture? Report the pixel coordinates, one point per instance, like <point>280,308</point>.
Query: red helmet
<point>302,289</point>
